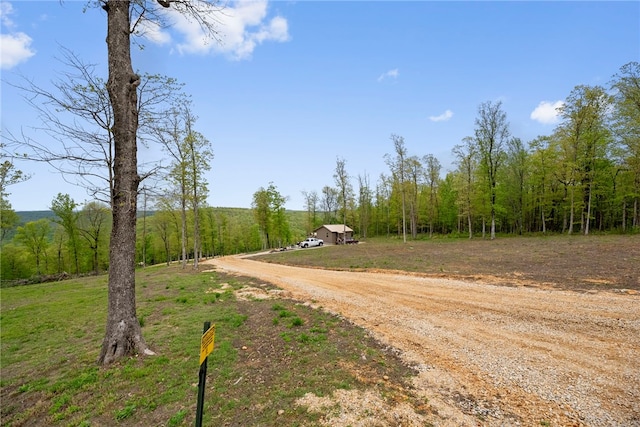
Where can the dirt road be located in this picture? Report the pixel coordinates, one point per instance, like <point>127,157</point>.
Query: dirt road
<point>489,355</point>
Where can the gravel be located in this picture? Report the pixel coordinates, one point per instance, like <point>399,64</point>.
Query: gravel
<point>486,355</point>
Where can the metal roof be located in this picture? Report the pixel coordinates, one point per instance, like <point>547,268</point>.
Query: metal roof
<point>335,228</point>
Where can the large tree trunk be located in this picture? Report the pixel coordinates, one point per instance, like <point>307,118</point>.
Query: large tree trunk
<point>123,335</point>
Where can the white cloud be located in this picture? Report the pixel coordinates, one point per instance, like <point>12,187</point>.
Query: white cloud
<point>6,9</point>
<point>547,112</point>
<point>389,74</point>
<point>242,26</point>
<point>442,117</point>
<point>15,47</point>
<point>153,32</point>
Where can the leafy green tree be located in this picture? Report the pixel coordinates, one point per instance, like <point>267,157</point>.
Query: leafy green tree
<point>200,157</point>
<point>34,236</point>
<point>65,209</point>
<point>541,179</point>
<point>8,218</point>
<point>449,217</point>
<point>15,262</point>
<point>465,158</point>
<point>93,224</point>
<point>491,136</point>
<point>398,168</point>
<point>414,174</point>
<point>261,206</point>
<point>280,221</point>
<point>311,206</point>
<point>364,204</point>
<point>516,177</point>
<point>59,242</point>
<point>432,169</point>
<point>343,184</point>
<point>587,139</point>
<point>269,213</point>
<point>626,126</point>
<point>384,189</point>
<point>9,175</point>
<point>163,223</point>
<point>329,204</point>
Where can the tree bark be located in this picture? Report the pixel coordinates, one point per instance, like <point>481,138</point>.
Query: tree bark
<point>123,335</point>
<point>571,214</point>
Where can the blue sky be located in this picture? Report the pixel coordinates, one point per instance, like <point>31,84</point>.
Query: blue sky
<point>297,84</point>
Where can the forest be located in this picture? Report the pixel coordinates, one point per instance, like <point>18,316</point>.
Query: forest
<point>582,178</point>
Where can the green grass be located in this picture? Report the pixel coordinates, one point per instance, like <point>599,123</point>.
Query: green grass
<point>51,336</point>
<point>267,353</point>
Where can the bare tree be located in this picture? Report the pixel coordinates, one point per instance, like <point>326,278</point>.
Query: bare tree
<point>171,136</point>
<point>123,334</point>
<point>465,158</point>
<point>199,161</point>
<point>78,117</point>
<point>191,155</point>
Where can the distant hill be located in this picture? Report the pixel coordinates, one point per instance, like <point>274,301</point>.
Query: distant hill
<point>297,219</point>
<point>28,216</point>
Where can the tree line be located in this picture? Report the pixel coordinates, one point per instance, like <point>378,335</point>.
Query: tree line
<point>74,241</point>
<point>584,176</point>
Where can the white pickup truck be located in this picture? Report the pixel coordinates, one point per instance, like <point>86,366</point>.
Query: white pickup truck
<point>310,242</point>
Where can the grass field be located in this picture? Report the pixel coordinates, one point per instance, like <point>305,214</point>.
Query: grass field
<point>268,353</point>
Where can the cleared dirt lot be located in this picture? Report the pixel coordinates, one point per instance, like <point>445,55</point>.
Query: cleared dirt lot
<point>489,354</point>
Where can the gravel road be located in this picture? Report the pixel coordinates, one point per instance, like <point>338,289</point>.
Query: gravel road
<point>489,355</point>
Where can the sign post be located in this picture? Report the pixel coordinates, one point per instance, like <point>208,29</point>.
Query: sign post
<point>206,347</point>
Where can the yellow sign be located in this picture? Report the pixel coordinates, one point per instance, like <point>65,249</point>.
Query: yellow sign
<point>206,343</point>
